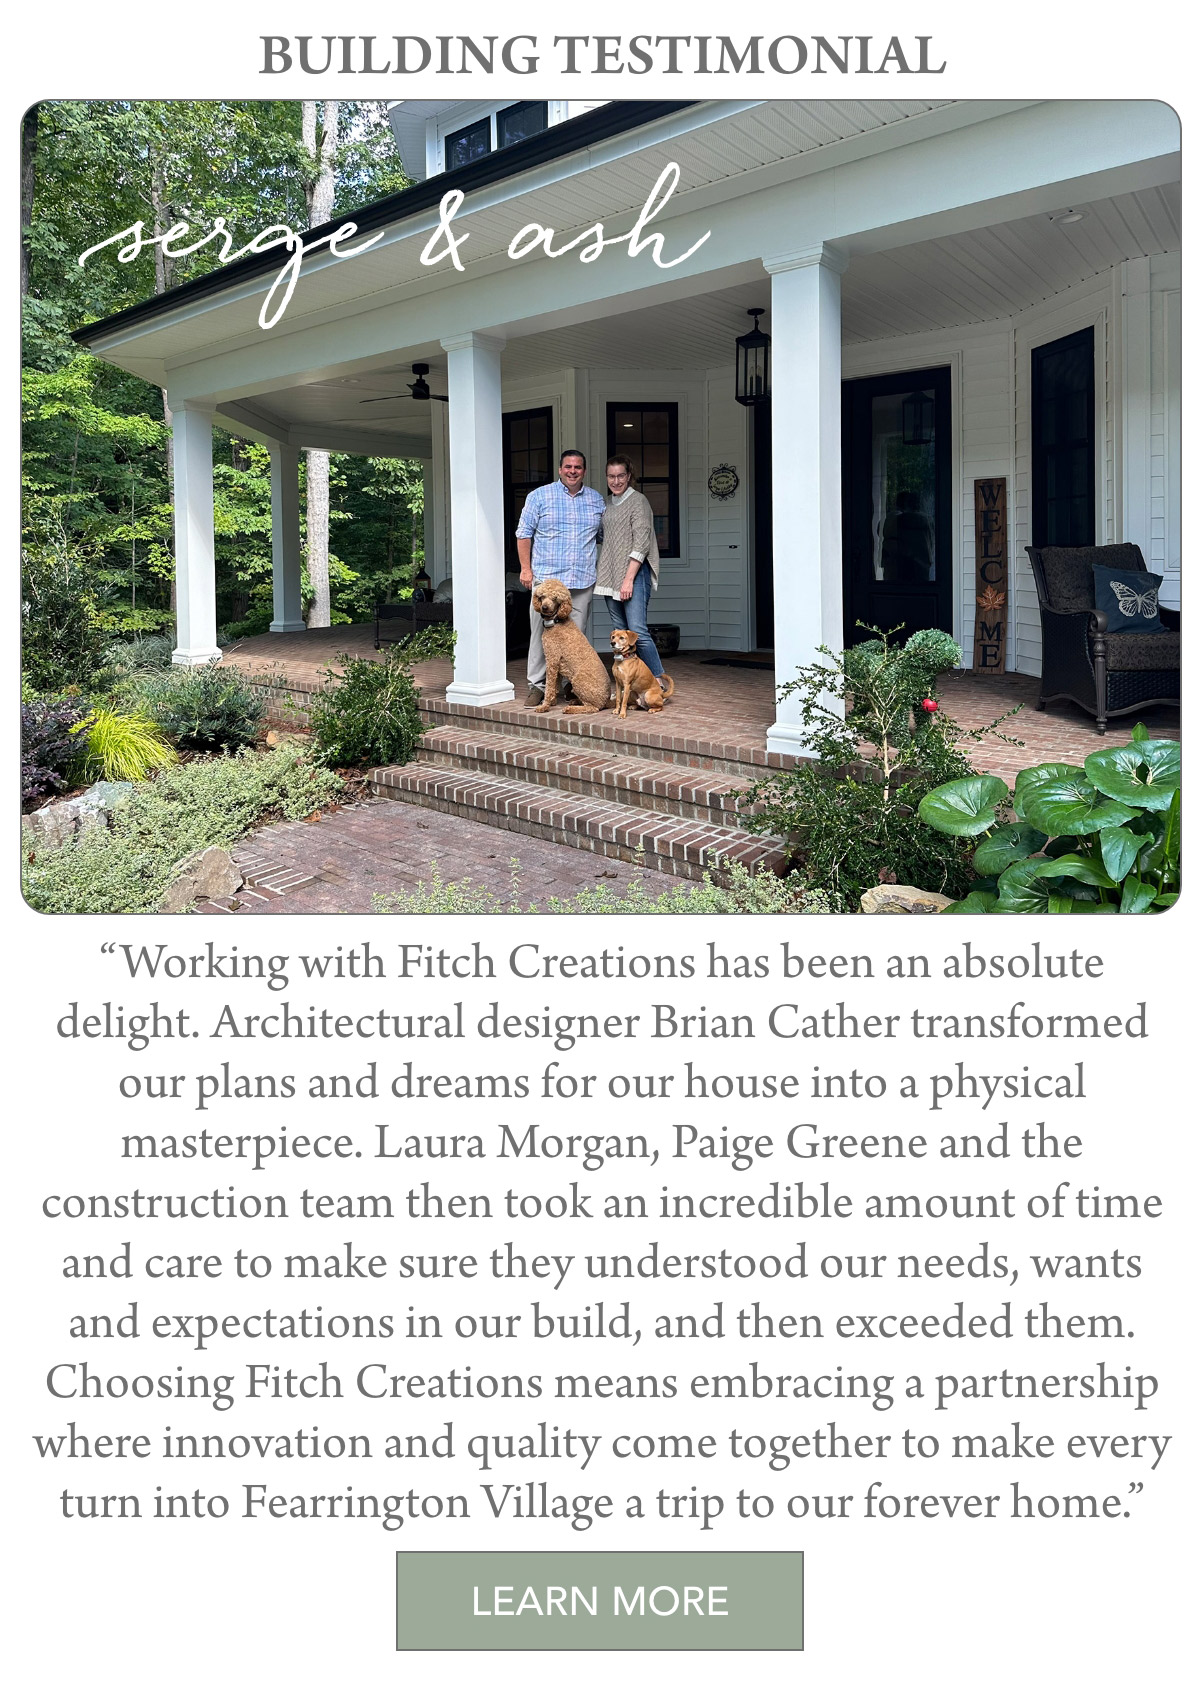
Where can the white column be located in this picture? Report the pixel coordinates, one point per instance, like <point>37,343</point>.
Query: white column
<point>195,567</point>
<point>806,468</point>
<point>477,519</point>
<point>439,563</point>
<point>285,539</point>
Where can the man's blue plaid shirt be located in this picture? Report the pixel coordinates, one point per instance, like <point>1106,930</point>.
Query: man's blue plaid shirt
<point>566,531</point>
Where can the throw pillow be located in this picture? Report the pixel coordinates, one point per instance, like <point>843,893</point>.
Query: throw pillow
<point>1130,600</point>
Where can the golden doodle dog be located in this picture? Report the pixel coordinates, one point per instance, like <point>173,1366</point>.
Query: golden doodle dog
<point>634,679</point>
<point>569,656</point>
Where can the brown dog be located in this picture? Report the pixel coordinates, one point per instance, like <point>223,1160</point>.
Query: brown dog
<point>569,656</point>
<point>634,678</point>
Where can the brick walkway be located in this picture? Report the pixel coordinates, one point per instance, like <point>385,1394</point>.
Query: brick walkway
<point>335,866</point>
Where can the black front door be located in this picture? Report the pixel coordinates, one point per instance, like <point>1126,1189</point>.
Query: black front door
<point>896,517</point>
<point>528,462</point>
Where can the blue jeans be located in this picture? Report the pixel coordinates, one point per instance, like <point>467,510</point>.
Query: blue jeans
<point>632,616</point>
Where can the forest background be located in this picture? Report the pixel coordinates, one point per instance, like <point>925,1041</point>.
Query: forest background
<point>96,455</point>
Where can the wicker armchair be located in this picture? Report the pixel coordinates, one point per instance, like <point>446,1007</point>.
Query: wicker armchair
<point>1105,673</point>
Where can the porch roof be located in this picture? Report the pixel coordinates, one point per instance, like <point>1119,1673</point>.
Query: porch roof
<point>972,278</point>
<point>947,212</point>
<point>600,165</point>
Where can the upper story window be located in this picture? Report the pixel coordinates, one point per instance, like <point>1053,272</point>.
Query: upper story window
<point>518,123</point>
<point>472,142</point>
<point>495,130</point>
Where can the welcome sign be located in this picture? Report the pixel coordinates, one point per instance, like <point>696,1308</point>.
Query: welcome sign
<point>991,575</point>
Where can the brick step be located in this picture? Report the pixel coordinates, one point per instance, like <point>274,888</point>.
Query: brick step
<point>653,738</point>
<point>694,794</point>
<point>652,839</point>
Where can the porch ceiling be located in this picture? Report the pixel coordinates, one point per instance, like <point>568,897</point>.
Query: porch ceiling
<point>972,278</point>
<point>992,273</point>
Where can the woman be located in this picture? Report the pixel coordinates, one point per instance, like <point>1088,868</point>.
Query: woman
<point>627,570</point>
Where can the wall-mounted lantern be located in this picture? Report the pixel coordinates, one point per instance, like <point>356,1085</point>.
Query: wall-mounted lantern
<point>753,383</point>
<point>917,418</point>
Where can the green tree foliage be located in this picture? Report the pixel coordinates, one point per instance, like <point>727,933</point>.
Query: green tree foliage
<point>96,464</point>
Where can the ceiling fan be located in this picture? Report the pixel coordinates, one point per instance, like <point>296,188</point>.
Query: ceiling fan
<point>419,391</point>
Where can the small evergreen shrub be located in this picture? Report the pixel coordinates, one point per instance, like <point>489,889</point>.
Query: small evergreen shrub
<point>52,742</point>
<point>367,714</point>
<point>204,709</point>
<point>122,744</point>
<point>258,620</point>
<point>126,868</point>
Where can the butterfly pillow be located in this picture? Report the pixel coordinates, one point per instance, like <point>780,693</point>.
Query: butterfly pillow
<point>1129,599</point>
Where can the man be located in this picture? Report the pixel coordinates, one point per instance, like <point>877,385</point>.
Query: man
<point>557,538</point>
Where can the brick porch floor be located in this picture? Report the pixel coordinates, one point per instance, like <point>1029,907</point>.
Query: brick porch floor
<point>719,715</point>
<point>567,797</point>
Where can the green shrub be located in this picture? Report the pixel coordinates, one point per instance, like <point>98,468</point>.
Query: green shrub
<point>150,651</point>
<point>125,869</point>
<point>62,644</point>
<point>258,620</point>
<point>742,894</point>
<point>367,714</point>
<point>122,744</point>
<point>851,813</point>
<point>1096,840</point>
<point>209,708</point>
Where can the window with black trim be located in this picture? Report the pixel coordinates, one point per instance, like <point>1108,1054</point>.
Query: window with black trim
<point>528,463</point>
<point>1063,405</point>
<point>648,432</point>
<point>518,123</point>
<point>472,142</point>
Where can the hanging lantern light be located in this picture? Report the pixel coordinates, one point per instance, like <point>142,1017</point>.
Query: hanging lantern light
<point>753,379</point>
<point>917,418</point>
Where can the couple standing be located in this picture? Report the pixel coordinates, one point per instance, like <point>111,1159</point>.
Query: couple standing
<point>568,532</point>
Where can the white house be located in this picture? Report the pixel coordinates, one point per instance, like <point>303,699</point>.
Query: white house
<point>927,271</point>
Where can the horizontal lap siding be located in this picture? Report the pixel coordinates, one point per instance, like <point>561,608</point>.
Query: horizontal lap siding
<point>1163,555</point>
<point>986,440</point>
<point>728,547</point>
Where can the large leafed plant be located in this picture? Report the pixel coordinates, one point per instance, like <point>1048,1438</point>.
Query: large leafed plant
<point>1098,840</point>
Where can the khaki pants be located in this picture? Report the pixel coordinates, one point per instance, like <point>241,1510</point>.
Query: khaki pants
<point>581,602</point>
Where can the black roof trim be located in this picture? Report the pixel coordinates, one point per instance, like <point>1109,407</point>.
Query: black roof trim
<point>561,139</point>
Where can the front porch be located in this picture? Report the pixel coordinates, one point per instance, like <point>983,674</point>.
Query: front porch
<point>721,709</point>
<point>657,791</point>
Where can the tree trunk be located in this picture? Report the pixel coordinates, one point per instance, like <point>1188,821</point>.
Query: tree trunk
<point>320,145</point>
<point>317,534</point>
<point>164,271</point>
<point>29,126</point>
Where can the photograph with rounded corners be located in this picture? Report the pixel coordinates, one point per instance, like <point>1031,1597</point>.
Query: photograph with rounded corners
<point>601,507</point>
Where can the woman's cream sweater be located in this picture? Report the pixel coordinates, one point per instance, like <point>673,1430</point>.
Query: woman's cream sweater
<point>628,532</point>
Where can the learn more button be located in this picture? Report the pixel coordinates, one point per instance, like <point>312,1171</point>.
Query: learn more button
<point>599,1601</point>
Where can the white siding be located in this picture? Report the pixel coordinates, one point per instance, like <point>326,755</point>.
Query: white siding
<point>1163,554</point>
<point>728,522</point>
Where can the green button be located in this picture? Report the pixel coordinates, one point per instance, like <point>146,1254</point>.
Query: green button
<point>599,1601</point>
